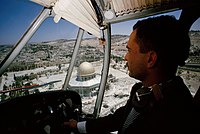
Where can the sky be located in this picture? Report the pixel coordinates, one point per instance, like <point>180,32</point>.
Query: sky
<point>17,15</point>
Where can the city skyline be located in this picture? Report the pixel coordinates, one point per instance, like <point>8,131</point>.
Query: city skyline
<point>17,15</point>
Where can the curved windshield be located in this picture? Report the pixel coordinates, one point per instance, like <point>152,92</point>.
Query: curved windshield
<point>43,63</point>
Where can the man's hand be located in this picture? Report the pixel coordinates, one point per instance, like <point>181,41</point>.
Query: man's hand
<point>71,123</point>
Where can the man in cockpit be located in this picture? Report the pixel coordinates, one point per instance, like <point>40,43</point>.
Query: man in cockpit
<point>161,102</point>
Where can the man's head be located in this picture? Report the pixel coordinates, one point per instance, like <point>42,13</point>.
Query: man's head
<point>161,41</point>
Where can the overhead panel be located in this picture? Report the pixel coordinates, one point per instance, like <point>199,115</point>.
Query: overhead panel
<point>127,6</point>
<point>78,12</point>
<point>120,10</point>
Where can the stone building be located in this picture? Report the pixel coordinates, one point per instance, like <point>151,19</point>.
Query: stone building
<point>86,82</point>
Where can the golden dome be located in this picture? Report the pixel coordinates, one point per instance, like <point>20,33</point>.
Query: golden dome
<point>86,69</point>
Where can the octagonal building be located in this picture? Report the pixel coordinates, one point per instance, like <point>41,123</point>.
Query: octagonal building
<point>86,82</point>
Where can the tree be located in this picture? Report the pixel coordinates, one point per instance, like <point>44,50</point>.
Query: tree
<point>15,78</point>
<point>5,87</point>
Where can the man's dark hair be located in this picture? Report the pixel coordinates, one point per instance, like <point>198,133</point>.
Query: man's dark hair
<point>166,36</point>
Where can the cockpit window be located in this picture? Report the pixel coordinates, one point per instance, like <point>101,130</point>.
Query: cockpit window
<point>43,63</point>
<point>190,72</point>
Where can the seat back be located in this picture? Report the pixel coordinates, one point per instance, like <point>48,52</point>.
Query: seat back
<point>197,97</point>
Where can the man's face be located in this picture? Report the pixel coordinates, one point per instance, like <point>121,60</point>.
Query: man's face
<point>136,60</point>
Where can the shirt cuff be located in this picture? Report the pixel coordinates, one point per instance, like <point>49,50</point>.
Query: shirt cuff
<point>81,127</point>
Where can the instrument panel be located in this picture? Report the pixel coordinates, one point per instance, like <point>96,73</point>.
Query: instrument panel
<point>41,113</point>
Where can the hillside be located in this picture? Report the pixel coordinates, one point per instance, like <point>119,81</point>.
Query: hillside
<point>59,51</point>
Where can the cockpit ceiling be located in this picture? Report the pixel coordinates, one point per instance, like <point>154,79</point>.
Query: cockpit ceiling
<point>127,6</point>
<point>82,12</point>
<point>78,12</point>
<point>120,10</point>
<point>119,4</point>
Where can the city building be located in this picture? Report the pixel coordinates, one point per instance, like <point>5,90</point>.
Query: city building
<point>86,82</point>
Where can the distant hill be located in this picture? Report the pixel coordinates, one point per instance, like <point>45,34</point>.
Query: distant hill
<point>64,47</point>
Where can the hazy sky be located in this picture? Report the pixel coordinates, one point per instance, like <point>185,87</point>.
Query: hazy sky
<point>17,15</point>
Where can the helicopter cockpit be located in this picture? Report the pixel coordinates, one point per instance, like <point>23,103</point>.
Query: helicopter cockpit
<point>70,78</point>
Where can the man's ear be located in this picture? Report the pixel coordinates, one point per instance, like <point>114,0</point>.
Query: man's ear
<point>151,59</point>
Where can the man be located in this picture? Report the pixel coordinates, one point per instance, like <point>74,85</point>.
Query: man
<point>161,103</point>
